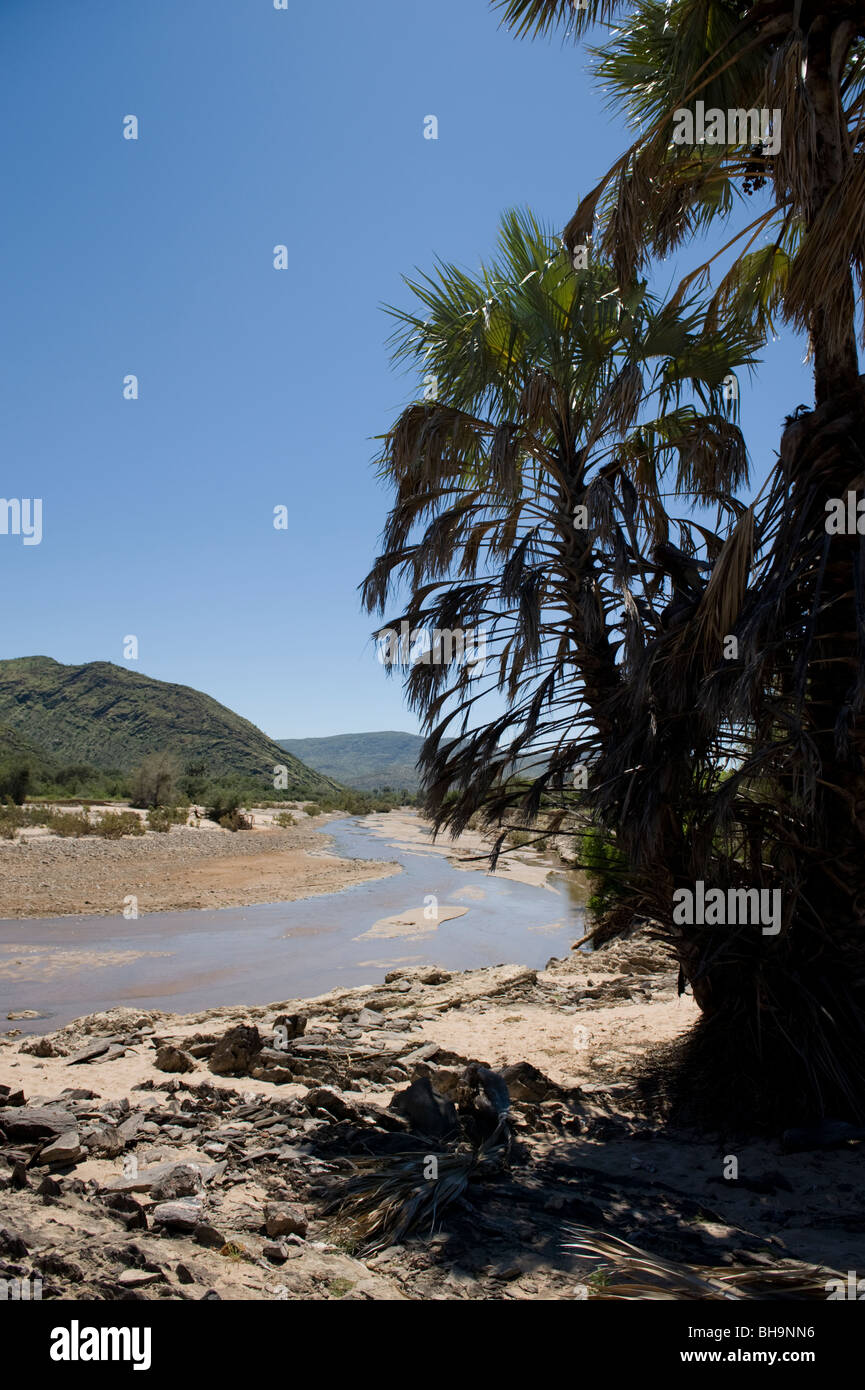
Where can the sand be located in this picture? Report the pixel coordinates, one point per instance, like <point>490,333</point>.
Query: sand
<point>46,876</point>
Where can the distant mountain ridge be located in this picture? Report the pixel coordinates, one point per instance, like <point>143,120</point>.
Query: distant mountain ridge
<point>363,761</point>
<point>111,717</point>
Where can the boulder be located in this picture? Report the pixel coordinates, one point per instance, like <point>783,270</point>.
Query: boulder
<point>526,1083</point>
<point>170,1058</point>
<point>182,1181</point>
<point>283,1219</point>
<point>331,1102</point>
<point>147,1178</point>
<point>208,1236</point>
<point>176,1216</point>
<point>28,1123</point>
<point>66,1148</point>
<point>426,1111</point>
<point>290,1026</point>
<point>237,1051</point>
<point>89,1054</point>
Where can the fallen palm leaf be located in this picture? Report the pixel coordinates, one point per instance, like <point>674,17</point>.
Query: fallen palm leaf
<point>654,1277</point>
<point>388,1199</point>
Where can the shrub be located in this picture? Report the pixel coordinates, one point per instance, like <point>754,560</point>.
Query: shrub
<point>607,869</point>
<point>68,823</point>
<point>285,819</point>
<point>194,781</point>
<point>312,808</point>
<point>235,820</point>
<point>15,779</point>
<point>153,783</point>
<point>161,818</point>
<point>114,824</point>
<point>11,818</point>
<point>223,802</point>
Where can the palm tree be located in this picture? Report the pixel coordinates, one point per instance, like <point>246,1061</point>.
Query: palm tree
<point>531,502</point>
<point>788,1014</point>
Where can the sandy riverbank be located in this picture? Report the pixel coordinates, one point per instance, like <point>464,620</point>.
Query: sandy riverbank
<point>265,1149</point>
<point>185,868</point>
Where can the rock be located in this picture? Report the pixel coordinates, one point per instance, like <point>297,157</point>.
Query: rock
<point>41,1047</point>
<point>424,1053</point>
<point>173,1059</point>
<point>28,1123</point>
<point>294,1026</point>
<point>182,1181</point>
<point>139,1278</point>
<point>333,1104</point>
<point>207,1235</point>
<point>435,977</point>
<point>18,1014</point>
<point>427,1112</point>
<point>104,1140</point>
<point>130,1128</point>
<point>482,1101</point>
<point>278,1076</point>
<point>55,1263</point>
<point>145,1178</point>
<point>526,1083</point>
<point>11,1244</point>
<point>370,1018</point>
<point>275,1252</point>
<point>89,1054</point>
<point>283,1219</point>
<point>19,1180</point>
<point>184,1274</point>
<point>176,1216</point>
<point>66,1148</point>
<point>125,1209</point>
<point>236,1051</point>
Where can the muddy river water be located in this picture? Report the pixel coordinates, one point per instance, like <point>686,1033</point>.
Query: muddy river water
<point>64,967</point>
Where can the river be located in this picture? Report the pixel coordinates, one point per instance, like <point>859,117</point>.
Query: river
<point>65,967</point>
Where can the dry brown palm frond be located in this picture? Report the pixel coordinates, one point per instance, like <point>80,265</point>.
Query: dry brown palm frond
<point>388,1199</point>
<point>653,1277</point>
<point>722,599</point>
<point>834,243</point>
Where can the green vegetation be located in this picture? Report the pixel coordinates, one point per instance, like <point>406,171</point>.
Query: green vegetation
<point>161,818</point>
<point>110,825</point>
<point>15,780</point>
<point>154,781</point>
<point>359,803</point>
<point>68,823</point>
<point>607,869</point>
<point>95,729</point>
<point>114,824</point>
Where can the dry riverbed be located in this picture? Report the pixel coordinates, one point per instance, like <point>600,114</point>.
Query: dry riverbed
<point>155,1156</point>
<point>48,876</point>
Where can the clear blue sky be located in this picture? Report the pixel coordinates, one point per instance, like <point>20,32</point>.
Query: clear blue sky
<point>257,387</point>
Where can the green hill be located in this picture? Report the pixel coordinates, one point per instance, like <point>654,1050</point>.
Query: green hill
<point>363,761</point>
<point>15,748</point>
<point>113,718</point>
